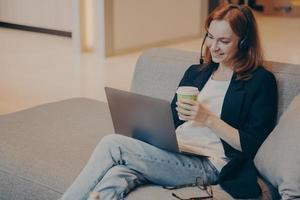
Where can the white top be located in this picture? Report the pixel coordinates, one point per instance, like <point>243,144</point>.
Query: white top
<point>201,140</point>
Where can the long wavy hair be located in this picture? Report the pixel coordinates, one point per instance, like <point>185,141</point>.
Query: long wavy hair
<point>241,20</point>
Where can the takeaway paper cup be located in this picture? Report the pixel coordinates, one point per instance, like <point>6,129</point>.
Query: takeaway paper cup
<point>187,92</point>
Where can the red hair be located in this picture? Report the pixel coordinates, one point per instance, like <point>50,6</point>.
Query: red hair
<point>242,23</point>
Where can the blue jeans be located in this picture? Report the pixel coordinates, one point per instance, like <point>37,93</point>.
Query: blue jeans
<point>119,164</point>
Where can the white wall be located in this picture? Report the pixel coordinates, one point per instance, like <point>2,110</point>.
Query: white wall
<point>142,22</point>
<point>52,14</point>
<point>37,68</point>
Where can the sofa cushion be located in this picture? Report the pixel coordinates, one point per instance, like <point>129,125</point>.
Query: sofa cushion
<point>158,71</point>
<point>278,159</point>
<point>42,149</point>
<point>288,83</point>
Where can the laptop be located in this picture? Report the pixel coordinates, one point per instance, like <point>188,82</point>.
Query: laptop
<point>142,117</point>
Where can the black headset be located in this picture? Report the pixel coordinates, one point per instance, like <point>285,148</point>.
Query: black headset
<point>243,44</point>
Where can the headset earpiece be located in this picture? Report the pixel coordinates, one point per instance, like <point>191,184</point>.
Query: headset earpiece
<point>243,44</point>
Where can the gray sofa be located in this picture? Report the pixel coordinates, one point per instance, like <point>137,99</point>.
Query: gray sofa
<point>43,148</point>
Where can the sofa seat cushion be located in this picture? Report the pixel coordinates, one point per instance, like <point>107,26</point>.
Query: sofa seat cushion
<point>42,149</point>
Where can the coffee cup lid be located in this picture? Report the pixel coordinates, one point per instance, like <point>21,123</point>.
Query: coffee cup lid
<point>187,90</point>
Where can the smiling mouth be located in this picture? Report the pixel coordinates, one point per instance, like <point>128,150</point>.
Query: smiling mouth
<point>217,55</point>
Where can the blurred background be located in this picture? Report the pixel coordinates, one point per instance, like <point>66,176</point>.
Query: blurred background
<point>57,49</point>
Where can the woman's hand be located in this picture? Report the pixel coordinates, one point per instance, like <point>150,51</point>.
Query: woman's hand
<point>193,110</point>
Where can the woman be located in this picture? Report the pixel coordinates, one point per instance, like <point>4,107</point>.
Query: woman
<point>235,111</point>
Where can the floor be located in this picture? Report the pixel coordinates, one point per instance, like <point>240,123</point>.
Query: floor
<point>38,68</point>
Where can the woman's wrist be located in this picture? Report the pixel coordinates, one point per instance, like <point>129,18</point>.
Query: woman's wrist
<point>210,121</point>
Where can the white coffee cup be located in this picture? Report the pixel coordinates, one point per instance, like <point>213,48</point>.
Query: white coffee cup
<point>187,92</point>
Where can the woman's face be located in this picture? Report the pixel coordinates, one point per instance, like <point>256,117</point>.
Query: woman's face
<point>221,41</point>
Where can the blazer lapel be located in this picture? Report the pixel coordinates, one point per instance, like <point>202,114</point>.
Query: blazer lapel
<point>203,76</point>
<point>233,101</point>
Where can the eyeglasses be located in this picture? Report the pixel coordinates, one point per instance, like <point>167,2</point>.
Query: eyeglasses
<point>200,184</point>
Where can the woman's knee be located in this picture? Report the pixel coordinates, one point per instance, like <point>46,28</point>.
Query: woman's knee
<point>108,144</point>
<point>111,141</point>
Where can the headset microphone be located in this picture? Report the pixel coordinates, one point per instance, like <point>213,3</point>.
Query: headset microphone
<point>201,56</point>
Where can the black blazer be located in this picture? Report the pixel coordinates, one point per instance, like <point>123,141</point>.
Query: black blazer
<point>250,107</point>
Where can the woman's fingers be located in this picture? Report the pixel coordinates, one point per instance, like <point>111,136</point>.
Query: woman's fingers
<point>183,111</point>
<point>187,101</point>
<point>184,106</point>
<point>186,117</point>
<point>186,112</point>
<point>192,110</point>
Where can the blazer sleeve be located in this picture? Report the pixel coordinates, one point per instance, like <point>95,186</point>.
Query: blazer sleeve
<point>185,81</point>
<point>262,115</point>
